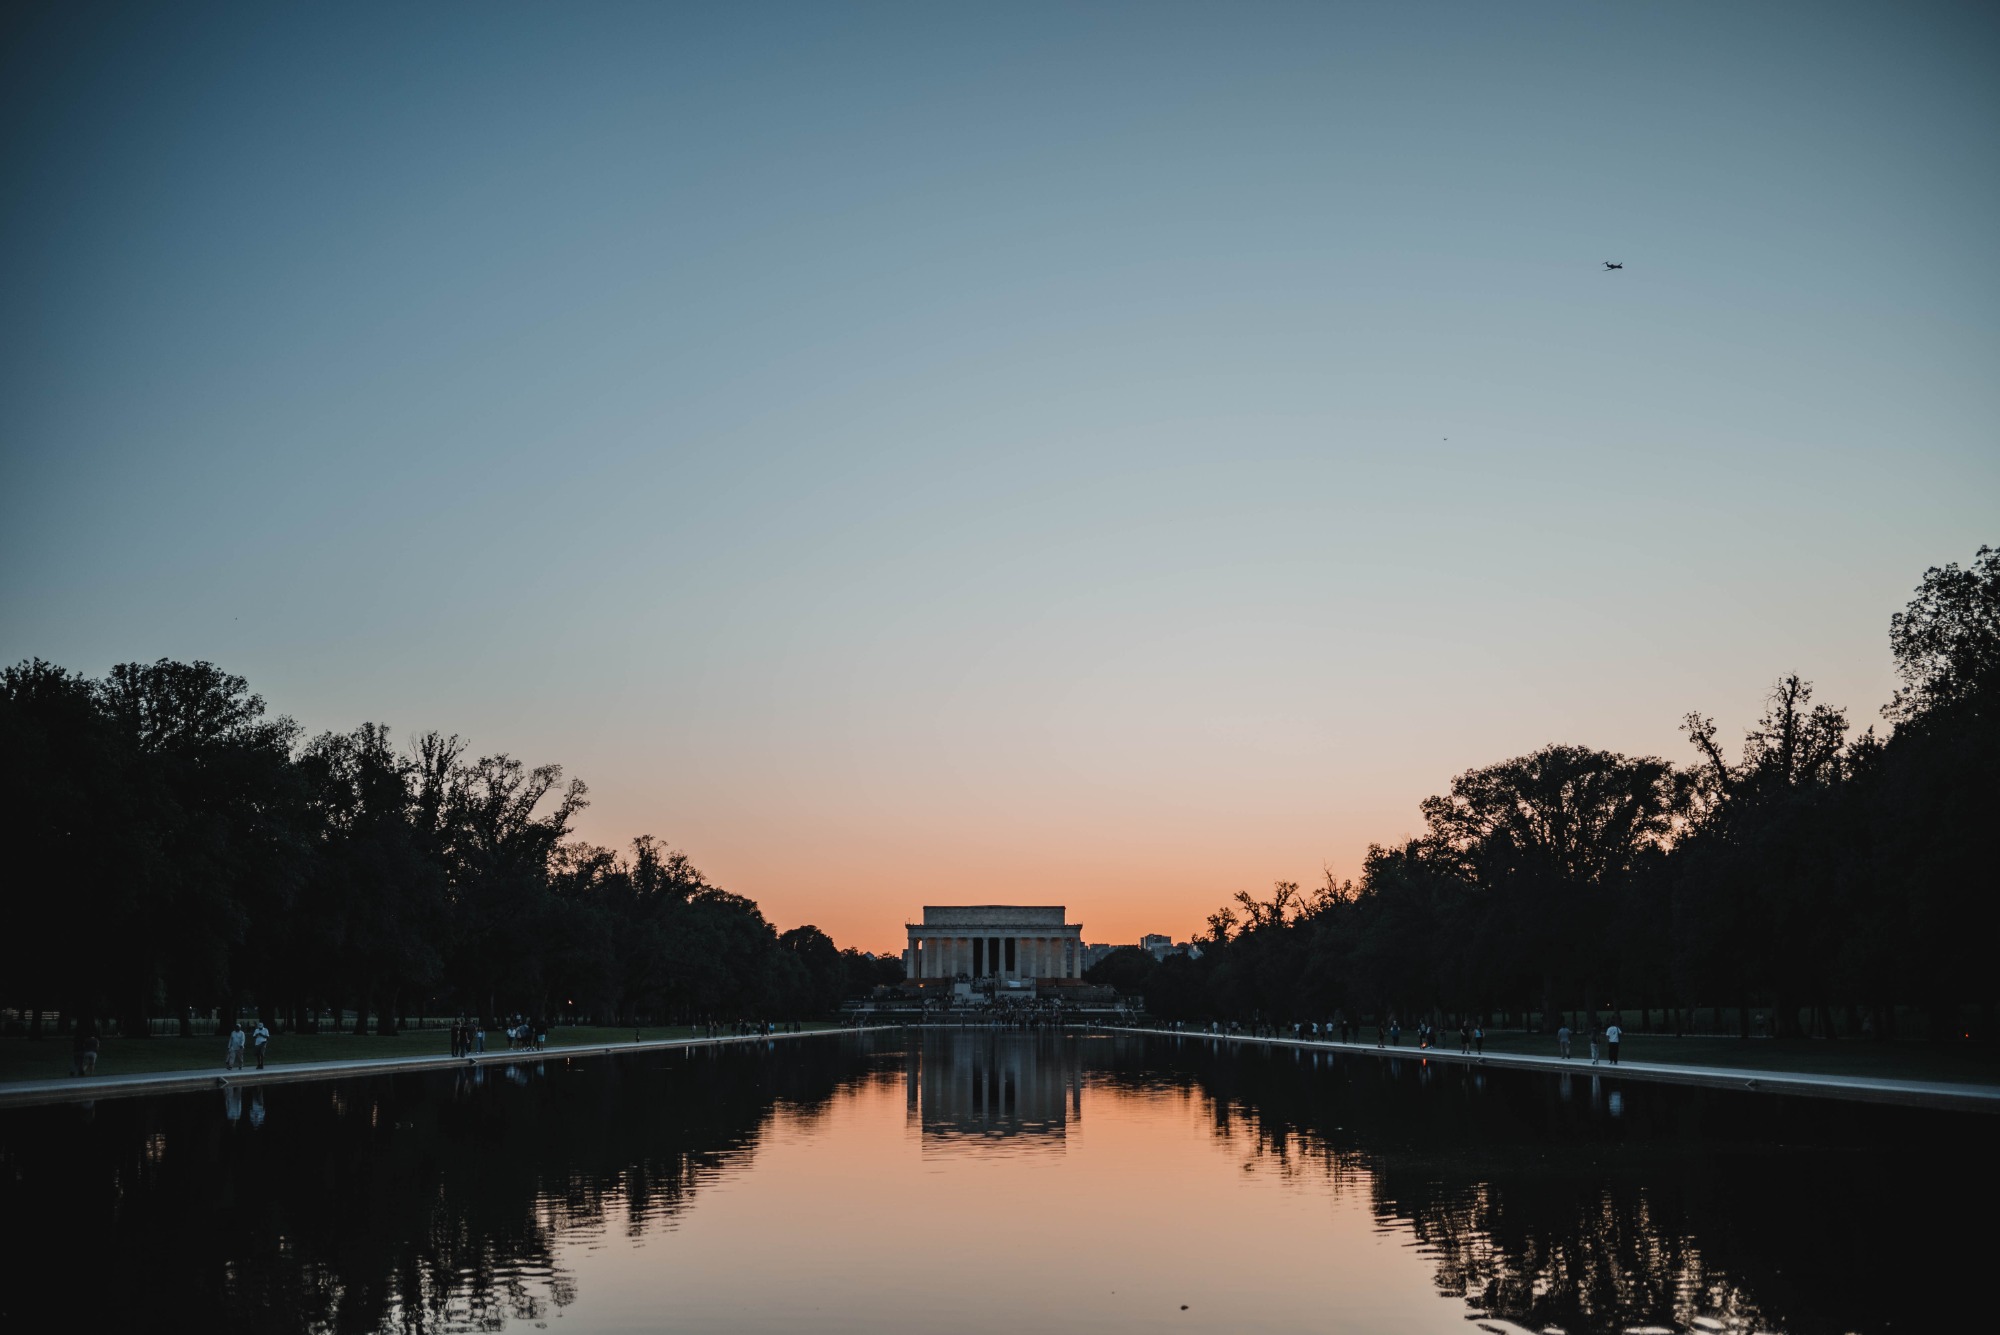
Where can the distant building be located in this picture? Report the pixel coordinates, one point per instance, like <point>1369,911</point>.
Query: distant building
<point>1003,942</point>
<point>1154,944</point>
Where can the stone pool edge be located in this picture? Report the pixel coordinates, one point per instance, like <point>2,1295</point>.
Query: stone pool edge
<point>27,1093</point>
<point>1866,1089</point>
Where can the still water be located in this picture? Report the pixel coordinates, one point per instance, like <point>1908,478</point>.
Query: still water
<point>969,1181</point>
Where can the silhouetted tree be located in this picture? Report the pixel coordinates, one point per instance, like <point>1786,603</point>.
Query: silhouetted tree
<point>175,846</point>
<point>178,849</point>
<point>1815,872</point>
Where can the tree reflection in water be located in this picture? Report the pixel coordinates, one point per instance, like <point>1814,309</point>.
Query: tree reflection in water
<point>423,1202</point>
<point>1589,1204</point>
<point>442,1201</point>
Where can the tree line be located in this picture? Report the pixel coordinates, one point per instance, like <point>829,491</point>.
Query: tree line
<point>1826,879</point>
<point>176,848</point>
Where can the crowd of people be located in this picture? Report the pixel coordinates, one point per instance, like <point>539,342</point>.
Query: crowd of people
<point>1604,1038</point>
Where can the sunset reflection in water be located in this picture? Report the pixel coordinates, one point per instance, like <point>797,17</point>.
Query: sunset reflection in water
<point>991,1181</point>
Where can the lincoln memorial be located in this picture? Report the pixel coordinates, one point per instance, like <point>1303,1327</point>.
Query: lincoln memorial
<point>999,941</point>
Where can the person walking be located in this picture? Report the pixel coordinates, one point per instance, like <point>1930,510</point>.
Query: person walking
<point>260,1040</point>
<point>1464,1038</point>
<point>1395,1032</point>
<point>1593,1042</point>
<point>1562,1041</point>
<point>232,1055</point>
<point>1611,1037</point>
<point>1478,1040</point>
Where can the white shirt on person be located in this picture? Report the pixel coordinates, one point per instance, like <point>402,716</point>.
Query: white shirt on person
<point>1612,1034</point>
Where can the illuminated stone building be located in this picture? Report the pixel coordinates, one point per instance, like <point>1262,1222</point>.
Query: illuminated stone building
<point>1003,942</point>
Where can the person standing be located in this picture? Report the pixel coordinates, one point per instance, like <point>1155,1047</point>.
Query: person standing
<point>1593,1042</point>
<point>260,1040</point>
<point>1478,1040</point>
<point>1611,1037</point>
<point>1562,1041</point>
<point>232,1055</point>
<point>1464,1038</point>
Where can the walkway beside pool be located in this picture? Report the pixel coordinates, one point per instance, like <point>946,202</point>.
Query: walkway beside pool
<point>84,1089</point>
<point>1960,1097</point>
<point>1952,1095</point>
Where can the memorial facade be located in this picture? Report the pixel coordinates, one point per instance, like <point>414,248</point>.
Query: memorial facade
<point>997,941</point>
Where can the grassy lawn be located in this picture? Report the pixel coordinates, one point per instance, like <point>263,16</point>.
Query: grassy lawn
<point>48,1059</point>
<point>1976,1063</point>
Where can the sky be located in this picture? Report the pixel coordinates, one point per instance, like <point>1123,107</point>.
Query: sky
<point>1101,455</point>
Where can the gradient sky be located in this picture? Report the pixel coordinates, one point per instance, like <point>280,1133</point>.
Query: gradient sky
<point>1102,455</point>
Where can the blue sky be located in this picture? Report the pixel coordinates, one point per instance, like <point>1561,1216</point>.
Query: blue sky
<point>1104,454</point>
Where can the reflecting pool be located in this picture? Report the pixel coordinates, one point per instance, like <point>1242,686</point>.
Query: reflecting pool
<point>978,1181</point>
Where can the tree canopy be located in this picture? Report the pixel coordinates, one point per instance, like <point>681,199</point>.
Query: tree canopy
<point>177,847</point>
<point>1812,871</point>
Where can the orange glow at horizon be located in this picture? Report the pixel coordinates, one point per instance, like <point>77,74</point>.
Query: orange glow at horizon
<point>852,810</point>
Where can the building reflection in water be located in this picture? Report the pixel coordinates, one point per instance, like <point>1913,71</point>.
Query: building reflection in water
<point>448,1201</point>
<point>974,1085</point>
